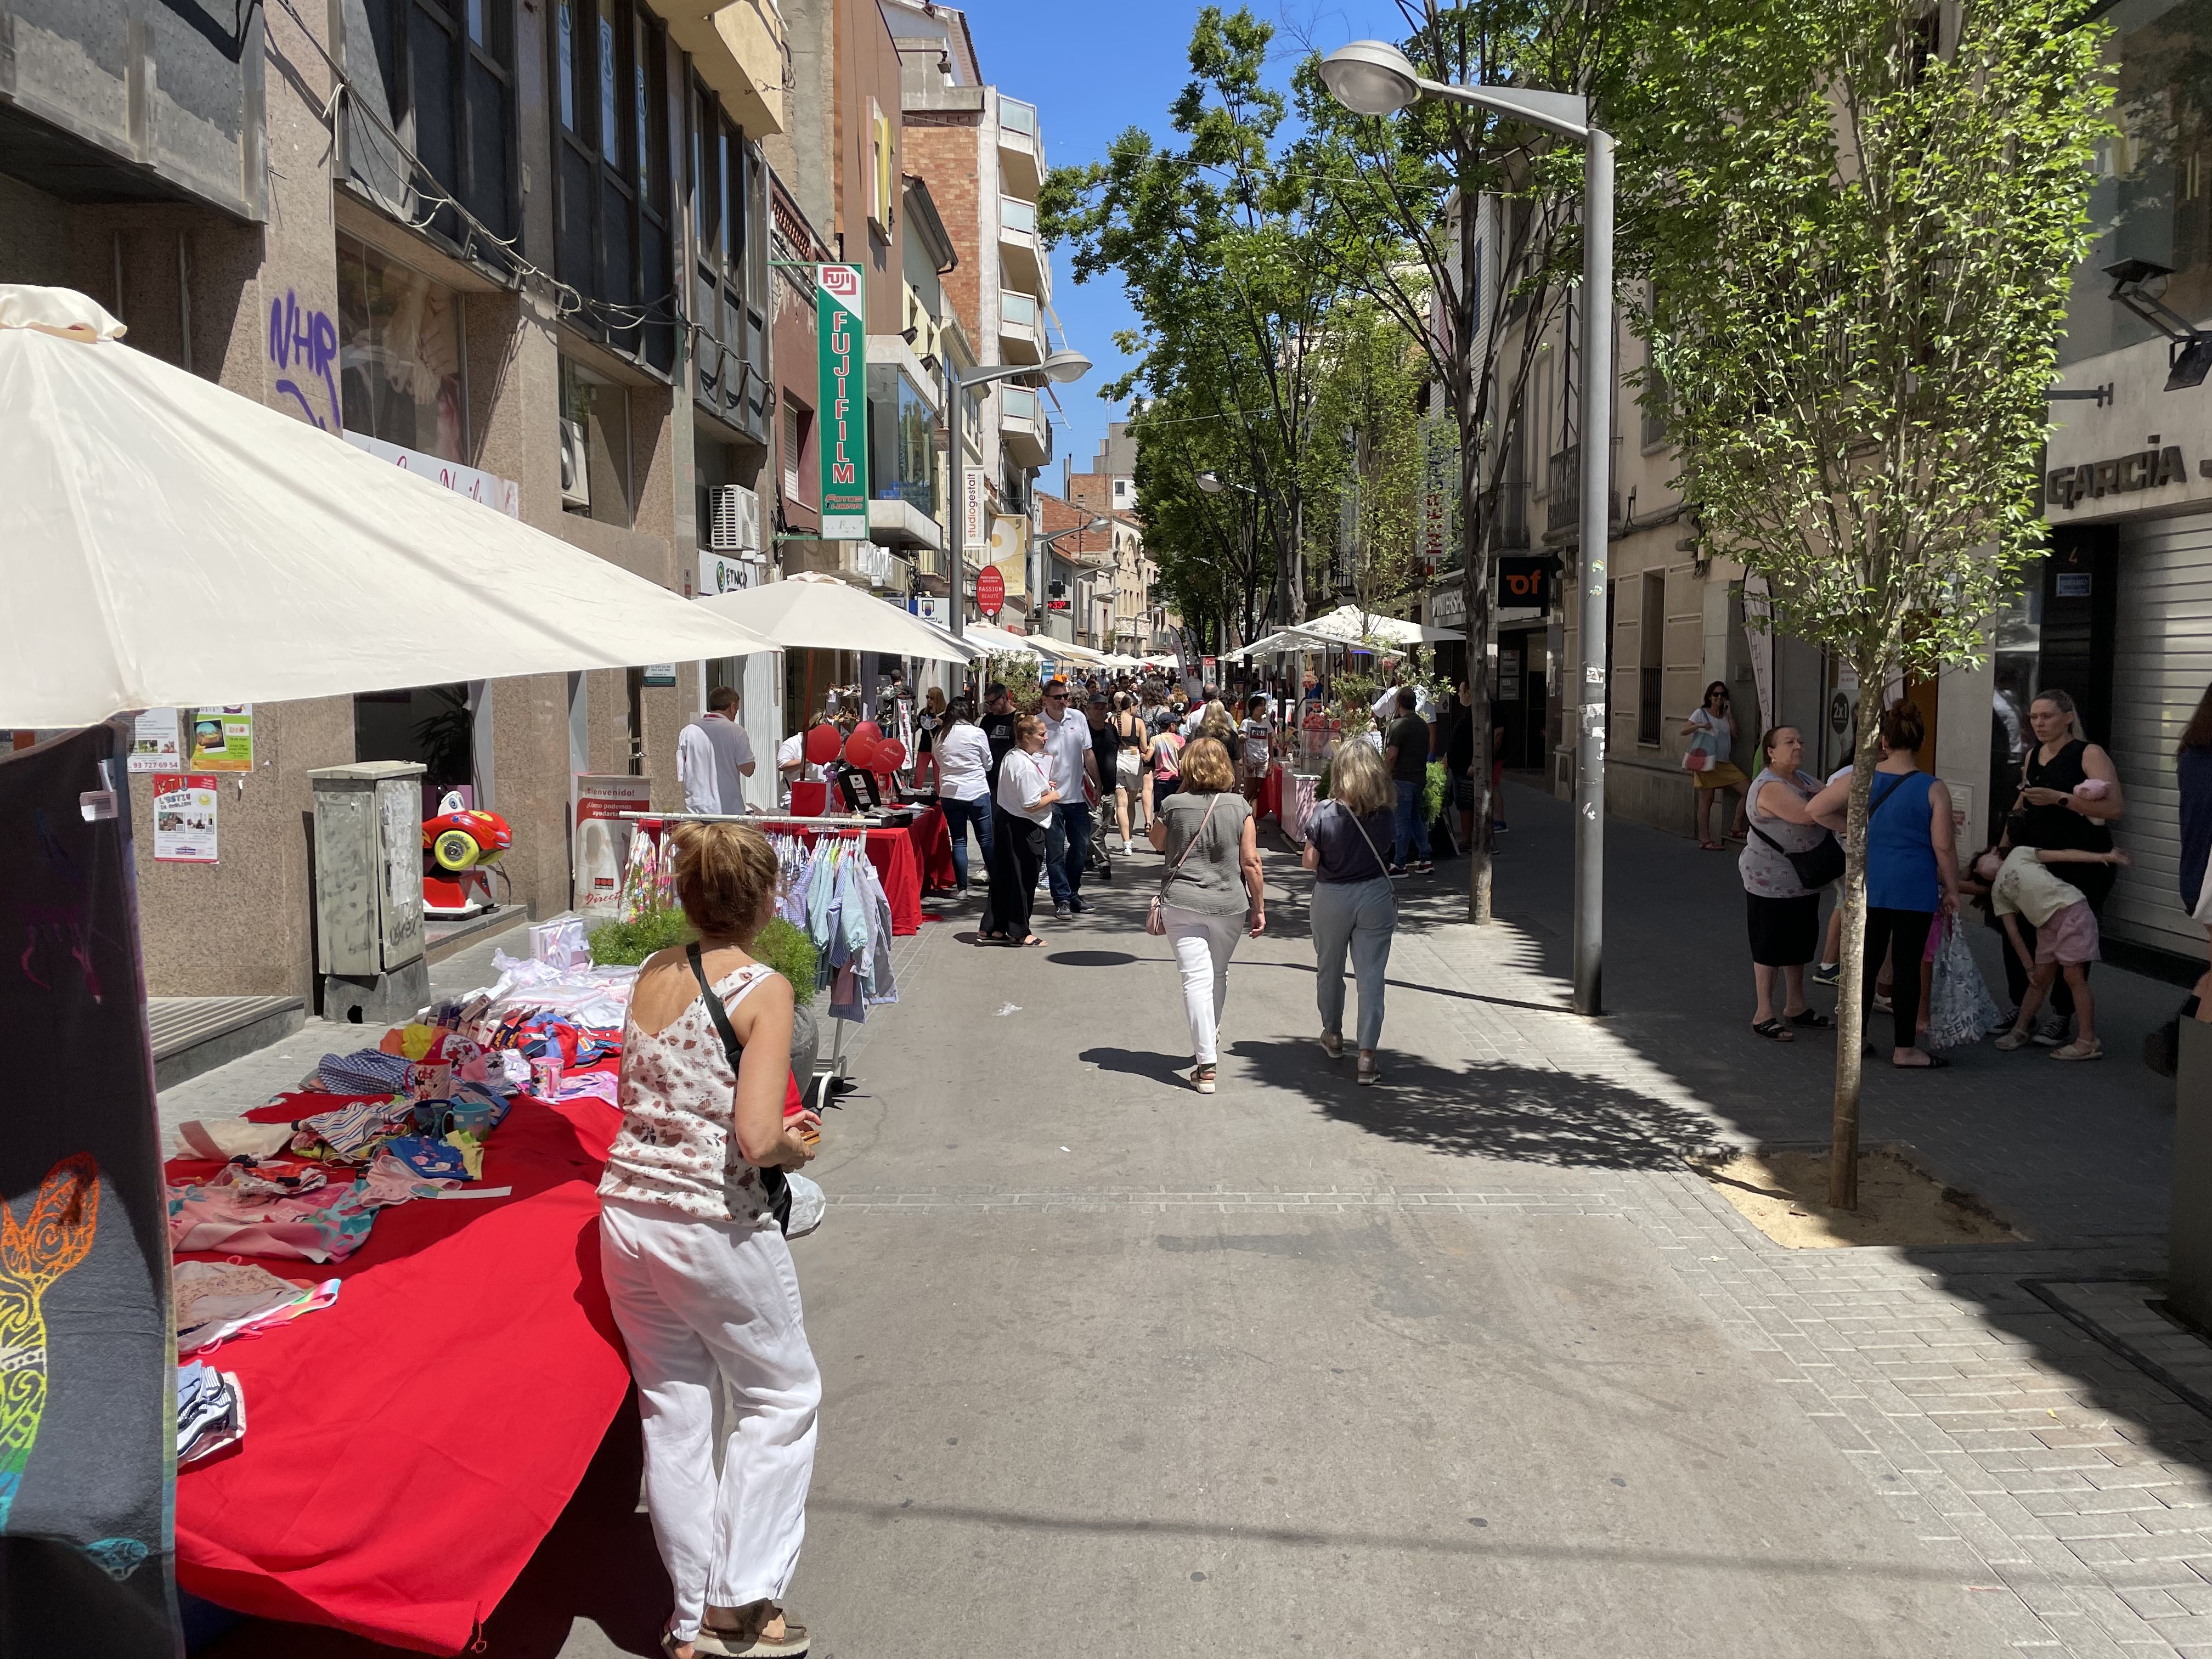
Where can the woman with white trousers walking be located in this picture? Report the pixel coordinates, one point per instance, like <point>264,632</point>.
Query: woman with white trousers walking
<point>1212,891</point>
<point>696,1269</point>
<point>1355,907</point>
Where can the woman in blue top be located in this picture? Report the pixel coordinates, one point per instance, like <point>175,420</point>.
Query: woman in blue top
<point>1912,872</point>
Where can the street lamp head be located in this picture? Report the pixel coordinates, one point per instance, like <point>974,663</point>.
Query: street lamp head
<point>1371,77</point>
<point>1098,523</point>
<point>1066,364</point>
<point>1211,484</point>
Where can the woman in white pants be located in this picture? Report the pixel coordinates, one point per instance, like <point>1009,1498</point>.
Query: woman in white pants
<point>1211,892</point>
<point>697,1269</point>
<point>1355,908</point>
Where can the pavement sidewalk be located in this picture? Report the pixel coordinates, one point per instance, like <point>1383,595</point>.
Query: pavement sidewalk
<point>1468,1363</point>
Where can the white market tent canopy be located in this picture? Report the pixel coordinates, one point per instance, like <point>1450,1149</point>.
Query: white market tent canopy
<point>166,543</point>
<point>1073,652</point>
<point>1288,639</point>
<point>816,613</point>
<point>997,642</point>
<point>1349,625</point>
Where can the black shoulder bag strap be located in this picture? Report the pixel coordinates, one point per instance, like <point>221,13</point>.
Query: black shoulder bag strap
<point>776,1189</point>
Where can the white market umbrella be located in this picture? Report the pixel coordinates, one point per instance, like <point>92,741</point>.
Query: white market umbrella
<point>1074,652</point>
<point>166,543</point>
<point>1288,639</point>
<point>812,611</point>
<point>1349,625</point>
<point>998,643</point>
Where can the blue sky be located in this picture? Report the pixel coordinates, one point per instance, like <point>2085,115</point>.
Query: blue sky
<point>1093,70</point>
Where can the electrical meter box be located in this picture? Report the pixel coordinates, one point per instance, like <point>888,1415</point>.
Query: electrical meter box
<point>368,889</point>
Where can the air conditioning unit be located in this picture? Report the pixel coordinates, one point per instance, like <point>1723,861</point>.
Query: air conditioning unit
<point>576,471</point>
<point>734,519</point>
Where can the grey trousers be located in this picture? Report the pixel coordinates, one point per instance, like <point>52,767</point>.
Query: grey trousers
<point>1359,916</point>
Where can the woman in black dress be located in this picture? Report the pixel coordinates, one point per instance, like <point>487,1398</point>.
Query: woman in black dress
<point>2192,766</point>
<point>2050,813</point>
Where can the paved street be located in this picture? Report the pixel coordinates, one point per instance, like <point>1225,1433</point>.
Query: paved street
<point>1466,1363</point>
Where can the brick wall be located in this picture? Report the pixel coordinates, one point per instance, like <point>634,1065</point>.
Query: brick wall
<point>939,147</point>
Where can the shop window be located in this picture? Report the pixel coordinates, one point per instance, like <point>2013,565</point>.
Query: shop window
<point>401,372</point>
<point>2148,195</point>
<point>433,724</point>
<point>798,423</point>
<point>595,481</point>
<point>613,235</point>
<point>1651,657</point>
<point>730,221</point>
<point>441,77</point>
<point>902,446</point>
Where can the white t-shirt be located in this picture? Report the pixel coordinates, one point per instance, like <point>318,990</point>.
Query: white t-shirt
<point>1066,741</point>
<point>2026,884</point>
<point>1022,778</point>
<point>710,754</point>
<point>1385,708</point>
<point>1258,741</point>
<point>963,761</point>
<point>792,752</point>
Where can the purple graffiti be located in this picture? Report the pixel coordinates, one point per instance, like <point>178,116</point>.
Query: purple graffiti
<point>309,340</point>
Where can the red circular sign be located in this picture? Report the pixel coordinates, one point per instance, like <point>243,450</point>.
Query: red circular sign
<point>990,592</point>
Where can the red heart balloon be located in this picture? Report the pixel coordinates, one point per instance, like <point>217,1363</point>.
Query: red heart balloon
<point>822,743</point>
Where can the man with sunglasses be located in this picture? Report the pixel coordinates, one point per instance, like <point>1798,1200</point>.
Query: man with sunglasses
<point>1071,766</point>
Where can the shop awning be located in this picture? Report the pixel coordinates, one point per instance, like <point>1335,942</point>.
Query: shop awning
<point>1348,625</point>
<point>165,542</point>
<point>998,643</point>
<point>815,612</point>
<point>1288,639</point>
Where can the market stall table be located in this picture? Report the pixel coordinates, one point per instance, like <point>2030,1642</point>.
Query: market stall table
<point>409,1447</point>
<point>1297,802</point>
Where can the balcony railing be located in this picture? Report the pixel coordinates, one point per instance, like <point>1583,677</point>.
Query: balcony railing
<point>1016,215</point>
<point>1019,404</point>
<point>1018,310</point>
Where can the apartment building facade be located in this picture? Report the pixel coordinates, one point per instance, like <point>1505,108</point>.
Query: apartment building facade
<point>521,244</point>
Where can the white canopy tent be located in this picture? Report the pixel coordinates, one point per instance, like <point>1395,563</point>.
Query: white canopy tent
<point>166,542</point>
<point>997,642</point>
<point>1288,639</point>
<point>816,613</point>
<point>1349,625</point>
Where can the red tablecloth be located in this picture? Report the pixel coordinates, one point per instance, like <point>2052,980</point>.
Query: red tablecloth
<point>1271,794</point>
<point>409,1447</point>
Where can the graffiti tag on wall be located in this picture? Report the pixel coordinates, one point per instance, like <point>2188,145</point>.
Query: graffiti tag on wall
<point>306,343</point>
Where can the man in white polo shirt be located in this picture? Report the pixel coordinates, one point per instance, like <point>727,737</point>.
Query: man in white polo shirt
<point>711,754</point>
<point>1070,763</point>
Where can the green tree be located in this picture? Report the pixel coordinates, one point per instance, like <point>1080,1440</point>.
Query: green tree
<point>1860,249</point>
<point>1396,187</point>
<point>1229,267</point>
<point>1372,382</point>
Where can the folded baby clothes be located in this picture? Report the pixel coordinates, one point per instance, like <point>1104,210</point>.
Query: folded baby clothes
<point>219,1301</point>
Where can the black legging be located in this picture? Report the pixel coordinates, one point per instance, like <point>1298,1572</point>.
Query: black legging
<point>1904,935</point>
<point>1017,856</point>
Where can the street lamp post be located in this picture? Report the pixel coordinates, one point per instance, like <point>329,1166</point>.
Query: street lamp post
<point>1062,366</point>
<point>1373,77</point>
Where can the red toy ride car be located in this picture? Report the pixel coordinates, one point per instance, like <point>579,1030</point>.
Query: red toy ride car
<point>460,842</point>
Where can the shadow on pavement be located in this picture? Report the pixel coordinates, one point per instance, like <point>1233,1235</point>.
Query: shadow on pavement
<point>1134,1062</point>
<point>1514,1113</point>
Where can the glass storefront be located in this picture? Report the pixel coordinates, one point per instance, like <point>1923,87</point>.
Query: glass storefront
<point>2150,196</point>
<point>902,446</point>
<point>399,354</point>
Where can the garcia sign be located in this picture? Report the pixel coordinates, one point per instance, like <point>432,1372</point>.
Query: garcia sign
<point>2145,469</point>
<point>842,331</point>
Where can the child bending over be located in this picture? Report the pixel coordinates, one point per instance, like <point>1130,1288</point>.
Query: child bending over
<point>2065,935</point>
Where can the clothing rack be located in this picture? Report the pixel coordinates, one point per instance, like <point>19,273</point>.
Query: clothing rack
<point>834,1079</point>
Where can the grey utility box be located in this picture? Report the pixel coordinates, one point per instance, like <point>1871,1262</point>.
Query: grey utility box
<point>368,889</point>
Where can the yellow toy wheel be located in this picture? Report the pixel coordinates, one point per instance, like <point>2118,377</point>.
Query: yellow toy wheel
<point>455,849</point>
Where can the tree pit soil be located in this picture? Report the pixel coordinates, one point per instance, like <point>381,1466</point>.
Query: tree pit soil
<point>1784,1195</point>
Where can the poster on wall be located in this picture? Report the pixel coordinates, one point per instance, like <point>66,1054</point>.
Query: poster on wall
<point>87,1440</point>
<point>222,738</point>
<point>184,818</point>
<point>842,331</point>
<point>599,846</point>
<point>156,743</point>
<point>1010,554</point>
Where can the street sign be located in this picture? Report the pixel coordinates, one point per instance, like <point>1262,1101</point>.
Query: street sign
<point>990,592</point>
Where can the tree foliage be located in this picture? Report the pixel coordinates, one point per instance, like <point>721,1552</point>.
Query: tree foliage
<point>1231,268</point>
<point>1860,234</point>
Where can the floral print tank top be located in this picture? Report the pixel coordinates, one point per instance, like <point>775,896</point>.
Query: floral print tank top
<point>677,1144</point>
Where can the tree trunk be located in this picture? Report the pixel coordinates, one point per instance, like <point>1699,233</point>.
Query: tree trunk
<point>1851,954</point>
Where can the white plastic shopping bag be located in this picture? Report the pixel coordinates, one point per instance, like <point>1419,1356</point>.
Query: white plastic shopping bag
<point>1960,1008</point>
